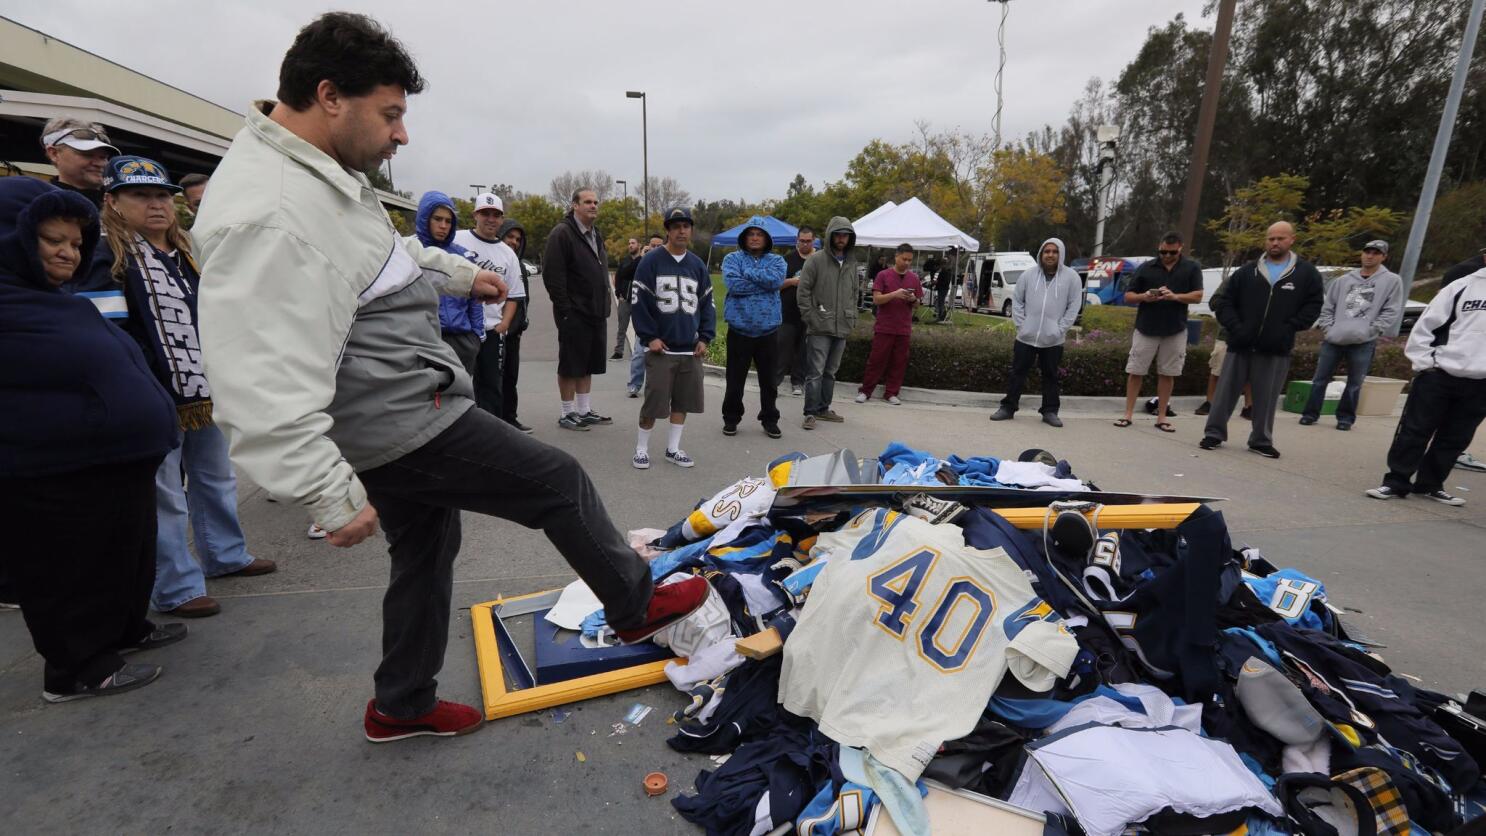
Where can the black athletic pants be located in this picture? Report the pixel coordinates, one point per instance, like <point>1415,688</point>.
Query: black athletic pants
<point>481,464</point>
<point>1439,420</point>
<point>791,360</point>
<point>489,374</point>
<point>510,370</point>
<point>1023,357</point>
<point>466,345</point>
<point>81,557</point>
<point>744,352</point>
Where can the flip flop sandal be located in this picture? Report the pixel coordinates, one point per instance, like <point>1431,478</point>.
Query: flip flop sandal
<point>1123,422</point>
<point>1165,427</point>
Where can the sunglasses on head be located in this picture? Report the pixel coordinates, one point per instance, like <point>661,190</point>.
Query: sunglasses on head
<point>83,133</point>
<point>1169,252</point>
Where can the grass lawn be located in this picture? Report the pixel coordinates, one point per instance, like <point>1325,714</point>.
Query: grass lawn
<point>922,319</point>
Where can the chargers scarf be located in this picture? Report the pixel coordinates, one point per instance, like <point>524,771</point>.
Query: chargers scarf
<point>161,290</point>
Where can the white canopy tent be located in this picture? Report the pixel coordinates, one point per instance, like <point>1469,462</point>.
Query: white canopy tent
<point>884,208</point>
<point>911,222</point>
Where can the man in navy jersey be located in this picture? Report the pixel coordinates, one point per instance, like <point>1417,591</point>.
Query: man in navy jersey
<point>671,308</point>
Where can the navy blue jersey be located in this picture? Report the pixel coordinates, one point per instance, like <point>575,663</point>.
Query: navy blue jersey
<point>671,300</point>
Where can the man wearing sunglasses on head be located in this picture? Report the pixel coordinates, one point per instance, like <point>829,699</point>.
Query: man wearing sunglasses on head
<point>79,151</point>
<point>1163,289</point>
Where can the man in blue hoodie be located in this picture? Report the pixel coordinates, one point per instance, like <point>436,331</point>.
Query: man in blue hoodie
<point>753,275</point>
<point>461,321</point>
<point>1044,305</point>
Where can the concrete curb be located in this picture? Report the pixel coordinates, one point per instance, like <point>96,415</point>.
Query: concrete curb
<point>1083,405</point>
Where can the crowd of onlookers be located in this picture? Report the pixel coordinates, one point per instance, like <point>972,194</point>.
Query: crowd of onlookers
<point>157,333</point>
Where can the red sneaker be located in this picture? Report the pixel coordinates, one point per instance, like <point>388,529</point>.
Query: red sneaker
<point>670,603</point>
<point>447,719</point>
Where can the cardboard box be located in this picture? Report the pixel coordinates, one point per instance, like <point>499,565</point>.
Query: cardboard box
<point>1379,396</point>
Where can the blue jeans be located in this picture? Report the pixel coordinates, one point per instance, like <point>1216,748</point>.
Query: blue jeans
<point>637,367</point>
<point>1358,359</point>
<point>210,506</point>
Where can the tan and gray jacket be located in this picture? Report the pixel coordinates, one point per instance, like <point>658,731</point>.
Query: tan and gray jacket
<point>319,323</point>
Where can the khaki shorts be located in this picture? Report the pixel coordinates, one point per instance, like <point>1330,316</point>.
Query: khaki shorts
<point>1170,354</point>
<point>1215,362</point>
<point>673,383</point>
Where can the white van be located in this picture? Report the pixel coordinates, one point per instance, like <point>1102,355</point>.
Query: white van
<point>989,277</point>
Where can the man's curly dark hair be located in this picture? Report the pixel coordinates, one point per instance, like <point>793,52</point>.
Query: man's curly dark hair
<point>351,51</point>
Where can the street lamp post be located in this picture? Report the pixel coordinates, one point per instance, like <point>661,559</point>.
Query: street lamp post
<point>624,184</point>
<point>478,187</point>
<point>644,150</point>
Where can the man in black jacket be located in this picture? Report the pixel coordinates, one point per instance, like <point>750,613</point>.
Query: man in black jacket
<point>575,268</point>
<point>622,279</point>
<point>1265,303</point>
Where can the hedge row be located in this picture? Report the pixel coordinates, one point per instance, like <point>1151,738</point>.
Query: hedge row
<point>979,360</point>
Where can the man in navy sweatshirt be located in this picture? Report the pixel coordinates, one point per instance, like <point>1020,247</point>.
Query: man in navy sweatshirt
<point>671,308</point>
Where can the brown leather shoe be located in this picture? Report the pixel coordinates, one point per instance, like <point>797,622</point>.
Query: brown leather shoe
<point>196,608</point>
<point>259,566</point>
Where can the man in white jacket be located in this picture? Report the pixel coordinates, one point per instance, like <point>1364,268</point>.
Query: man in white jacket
<point>1447,398</point>
<point>1044,305</point>
<point>320,336</point>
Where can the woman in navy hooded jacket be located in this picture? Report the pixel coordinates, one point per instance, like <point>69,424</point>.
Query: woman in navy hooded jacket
<point>84,428</point>
<point>462,321</point>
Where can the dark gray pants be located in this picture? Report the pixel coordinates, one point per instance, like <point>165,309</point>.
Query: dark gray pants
<point>481,464</point>
<point>623,306</point>
<point>466,345</point>
<point>791,359</point>
<point>822,359</point>
<point>1266,374</point>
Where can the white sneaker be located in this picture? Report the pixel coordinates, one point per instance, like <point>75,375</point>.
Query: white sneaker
<point>316,532</point>
<point>1381,492</point>
<point>679,458</point>
<point>861,398</point>
<point>894,401</point>
<point>796,391</point>
<point>1470,462</point>
<point>641,461</point>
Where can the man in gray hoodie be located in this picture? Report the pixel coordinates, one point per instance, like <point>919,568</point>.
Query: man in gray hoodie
<point>1360,307</point>
<point>827,296</point>
<point>1044,305</point>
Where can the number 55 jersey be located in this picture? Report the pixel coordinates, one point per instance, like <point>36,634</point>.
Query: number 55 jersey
<point>906,633</point>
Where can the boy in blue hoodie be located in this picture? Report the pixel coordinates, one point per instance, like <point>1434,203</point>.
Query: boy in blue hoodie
<point>753,275</point>
<point>671,308</point>
<point>461,321</point>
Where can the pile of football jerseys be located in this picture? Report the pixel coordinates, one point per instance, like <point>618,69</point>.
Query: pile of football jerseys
<point>1110,679</point>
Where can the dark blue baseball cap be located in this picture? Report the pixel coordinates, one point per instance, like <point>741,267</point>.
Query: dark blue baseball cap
<point>679,213</point>
<point>136,171</point>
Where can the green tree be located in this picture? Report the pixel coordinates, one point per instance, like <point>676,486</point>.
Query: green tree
<point>537,215</point>
<point>1457,226</point>
<point>1329,236</point>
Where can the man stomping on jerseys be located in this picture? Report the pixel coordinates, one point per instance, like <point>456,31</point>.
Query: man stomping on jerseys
<point>671,308</point>
<point>321,341</point>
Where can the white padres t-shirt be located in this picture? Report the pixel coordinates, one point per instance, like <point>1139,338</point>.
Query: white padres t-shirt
<point>906,634</point>
<point>497,256</point>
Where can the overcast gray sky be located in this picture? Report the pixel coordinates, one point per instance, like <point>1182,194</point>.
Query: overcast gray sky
<point>741,95</point>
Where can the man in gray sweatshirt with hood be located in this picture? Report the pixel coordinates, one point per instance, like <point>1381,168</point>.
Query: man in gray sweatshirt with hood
<point>1361,306</point>
<point>1044,305</point>
<point>827,296</point>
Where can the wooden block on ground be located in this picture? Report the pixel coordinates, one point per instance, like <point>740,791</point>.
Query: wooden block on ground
<point>761,645</point>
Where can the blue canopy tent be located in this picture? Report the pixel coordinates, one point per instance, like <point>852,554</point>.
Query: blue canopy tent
<point>782,233</point>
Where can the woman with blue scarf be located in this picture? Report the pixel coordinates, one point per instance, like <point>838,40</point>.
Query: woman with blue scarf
<point>461,321</point>
<point>152,260</point>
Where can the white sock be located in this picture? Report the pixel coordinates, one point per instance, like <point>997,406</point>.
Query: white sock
<point>642,441</point>
<point>567,407</point>
<point>584,407</point>
<point>673,441</point>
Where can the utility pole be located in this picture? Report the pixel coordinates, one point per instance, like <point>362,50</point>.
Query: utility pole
<point>1107,135</point>
<point>644,150</point>
<point>1441,147</point>
<point>1207,116</point>
<point>1000,70</point>
<point>478,187</point>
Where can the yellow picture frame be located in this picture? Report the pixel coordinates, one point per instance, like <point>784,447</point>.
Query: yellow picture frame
<point>501,701</point>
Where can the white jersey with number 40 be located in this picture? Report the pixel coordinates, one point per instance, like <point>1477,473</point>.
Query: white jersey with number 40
<point>906,634</point>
